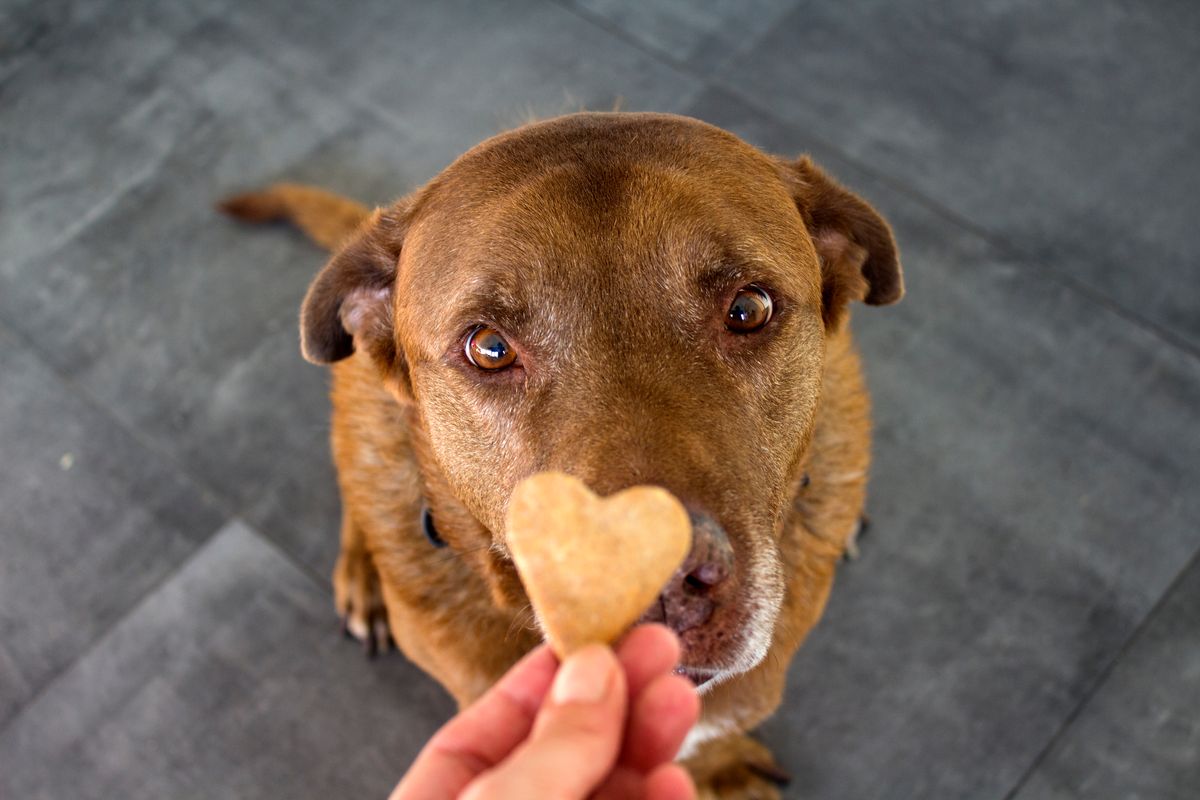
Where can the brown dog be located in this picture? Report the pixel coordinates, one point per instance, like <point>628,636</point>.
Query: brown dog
<point>630,298</point>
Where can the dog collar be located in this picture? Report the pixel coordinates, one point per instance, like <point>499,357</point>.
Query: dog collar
<point>431,531</point>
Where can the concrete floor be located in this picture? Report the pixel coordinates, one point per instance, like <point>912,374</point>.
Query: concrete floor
<point>1025,621</point>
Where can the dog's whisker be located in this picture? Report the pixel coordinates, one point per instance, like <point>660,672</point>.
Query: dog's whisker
<point>522,618</point>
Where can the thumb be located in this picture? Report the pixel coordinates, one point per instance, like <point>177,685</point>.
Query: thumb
<point>575,740</point>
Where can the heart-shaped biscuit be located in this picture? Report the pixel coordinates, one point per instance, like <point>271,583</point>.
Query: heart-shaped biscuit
<point>590,565</point>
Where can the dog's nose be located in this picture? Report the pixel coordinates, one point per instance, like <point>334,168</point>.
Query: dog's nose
<point>689,598</point>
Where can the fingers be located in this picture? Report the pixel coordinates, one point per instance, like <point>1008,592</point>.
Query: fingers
<point>575,739</point>
<point>659,721</point>
<point>482,735</point>
<point>647,652</point>
<point>502,746</point>
<point>664,706</point>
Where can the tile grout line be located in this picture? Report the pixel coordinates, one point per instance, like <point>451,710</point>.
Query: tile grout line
<point>355,100</point>
<point>617,32</point>
<point>218,501</point>
<point>1102,679</point>
<point>352,101</point>
<point>1023,260</point>
<point>100,637</point>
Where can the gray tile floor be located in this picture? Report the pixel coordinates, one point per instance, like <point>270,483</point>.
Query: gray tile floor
<point>1025,622</point>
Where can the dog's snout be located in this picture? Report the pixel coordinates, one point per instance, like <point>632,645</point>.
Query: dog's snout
<point>696,588</point>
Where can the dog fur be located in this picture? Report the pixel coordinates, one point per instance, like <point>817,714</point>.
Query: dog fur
<point>605,247</point>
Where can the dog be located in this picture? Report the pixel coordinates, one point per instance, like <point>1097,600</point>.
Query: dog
<point>630,298</point>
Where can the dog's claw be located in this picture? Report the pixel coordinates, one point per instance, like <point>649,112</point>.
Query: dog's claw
<point>381,636</point>
<point>772,772</point>
<point>852,551</point>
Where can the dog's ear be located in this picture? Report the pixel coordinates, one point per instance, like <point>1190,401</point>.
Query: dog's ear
<point>349,304</point>
<point>859,258</point>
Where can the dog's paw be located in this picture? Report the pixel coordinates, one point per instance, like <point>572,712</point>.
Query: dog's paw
<point>359,601</point>
<point>736,768</point>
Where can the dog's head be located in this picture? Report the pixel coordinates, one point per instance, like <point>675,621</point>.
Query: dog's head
<point>629,298</point>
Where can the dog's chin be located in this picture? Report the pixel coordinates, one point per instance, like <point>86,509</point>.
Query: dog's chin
<point>706,678</point>
<point>707,669</point>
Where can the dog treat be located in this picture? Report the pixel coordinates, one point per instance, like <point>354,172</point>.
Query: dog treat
<point>590,565</point>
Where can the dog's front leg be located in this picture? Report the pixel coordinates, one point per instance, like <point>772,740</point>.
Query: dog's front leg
<point>356,592</point>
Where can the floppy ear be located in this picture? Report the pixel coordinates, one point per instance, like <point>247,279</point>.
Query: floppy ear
<point>349,304</point>
<point>859,259</point>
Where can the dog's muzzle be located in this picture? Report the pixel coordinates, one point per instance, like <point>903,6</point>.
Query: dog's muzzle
<point>694,594</point>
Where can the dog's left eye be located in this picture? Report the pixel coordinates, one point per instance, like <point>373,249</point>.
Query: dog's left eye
<point>750,310</point>
<point>488,350</point>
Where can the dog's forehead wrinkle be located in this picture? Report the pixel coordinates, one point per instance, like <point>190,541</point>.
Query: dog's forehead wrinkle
<point>484,299</point>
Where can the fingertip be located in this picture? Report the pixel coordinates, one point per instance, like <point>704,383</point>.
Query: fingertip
<point>540,656</point>
<point>653,636</point>
<point>669,782</point>
<point>671,696</point>
<point>588,675</point>
<point>527,682</point>
<point>680,695</point>
<point>647,652</point>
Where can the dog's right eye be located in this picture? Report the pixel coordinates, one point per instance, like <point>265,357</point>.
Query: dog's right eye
<point>750,310</point>
<point>488,350</point>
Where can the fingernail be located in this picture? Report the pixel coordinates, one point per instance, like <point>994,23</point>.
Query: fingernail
<point>584,677</point>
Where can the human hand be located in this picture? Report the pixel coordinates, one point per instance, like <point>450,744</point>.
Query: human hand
<point>604,725</point>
